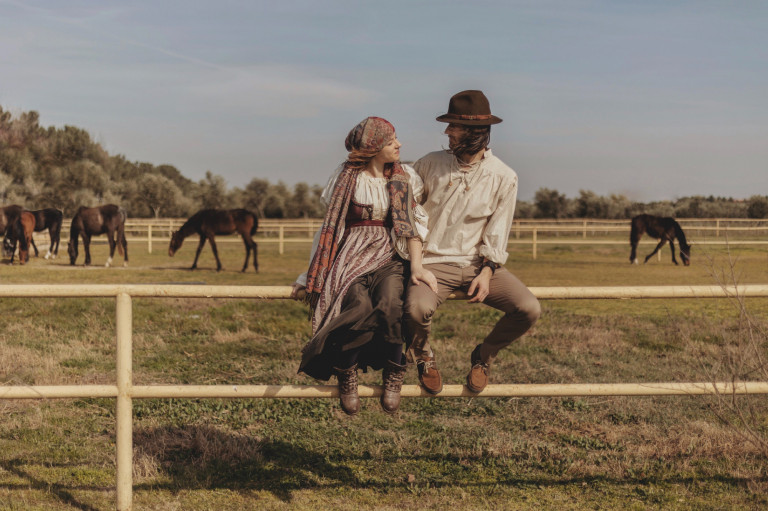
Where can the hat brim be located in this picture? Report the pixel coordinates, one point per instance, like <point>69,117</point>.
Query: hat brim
<point>468,122</point>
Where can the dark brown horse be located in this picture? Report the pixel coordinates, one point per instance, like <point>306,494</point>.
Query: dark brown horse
<point>664,228</point>
<point>20,230</point>
<point>108,219</point>
<point>51,219</point>
<point>208,223</point>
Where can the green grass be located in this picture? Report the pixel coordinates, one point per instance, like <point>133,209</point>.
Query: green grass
<point>531,453</point>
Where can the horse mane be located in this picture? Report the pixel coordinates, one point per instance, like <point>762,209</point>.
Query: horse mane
<point>680,235</point>
<point>189,227</point>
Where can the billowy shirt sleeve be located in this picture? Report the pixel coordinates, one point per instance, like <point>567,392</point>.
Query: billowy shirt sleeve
<point>419,214</point>
<point>326,198</point>
<point>496,234</point>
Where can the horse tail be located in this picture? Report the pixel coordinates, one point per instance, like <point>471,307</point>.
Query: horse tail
<point>255,223</point>
<point>55,229</point>
<point>121,231</point>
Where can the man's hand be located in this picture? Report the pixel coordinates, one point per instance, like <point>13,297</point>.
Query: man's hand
<point>298,292</point>
<point>425,276</point>
<point>480,286</point>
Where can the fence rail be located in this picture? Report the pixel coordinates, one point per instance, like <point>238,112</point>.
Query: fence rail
<point>124,391</point>
<point>533,232</point>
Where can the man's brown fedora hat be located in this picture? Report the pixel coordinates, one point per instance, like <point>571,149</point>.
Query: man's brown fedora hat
<point>469,107</point>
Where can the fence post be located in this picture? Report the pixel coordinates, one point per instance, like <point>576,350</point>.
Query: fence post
<point>534,242</point>
<point>124,411</point>
<point>149,238</point>
<point>584,235</point>
<point>717,228</point>
<point>280,243</point>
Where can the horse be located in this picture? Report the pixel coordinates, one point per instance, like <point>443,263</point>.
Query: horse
<point>87,222</point>
<point>664,228</point>
<point>8,215</point>
<point>51,219</point>
<point>210,222</point>
<point>21,229</point>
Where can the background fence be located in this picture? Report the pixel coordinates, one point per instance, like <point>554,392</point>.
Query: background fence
<point>156,233</point>
<point>124,391</point>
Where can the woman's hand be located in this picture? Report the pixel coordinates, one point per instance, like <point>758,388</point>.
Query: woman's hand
<point>298,291</point>
<point>419,274</point>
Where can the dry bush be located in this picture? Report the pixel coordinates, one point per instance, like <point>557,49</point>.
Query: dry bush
<point>739,356</point>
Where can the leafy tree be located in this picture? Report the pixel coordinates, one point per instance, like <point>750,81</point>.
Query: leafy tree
<point>212,191</point>
<point>275,203</point>
<point>757,207</point>
<point>305,203</point>
<point>158,193</point>
<point>550,204</point>
<point>590,205</point>
<point>524,209</point>
<point>255,195</point>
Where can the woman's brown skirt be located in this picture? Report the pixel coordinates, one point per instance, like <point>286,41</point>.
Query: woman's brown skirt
<point>371,315</point>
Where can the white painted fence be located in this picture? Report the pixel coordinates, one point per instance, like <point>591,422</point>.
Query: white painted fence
<point>124,391</point>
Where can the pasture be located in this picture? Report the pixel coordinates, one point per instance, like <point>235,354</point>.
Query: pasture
<point>529,453</point>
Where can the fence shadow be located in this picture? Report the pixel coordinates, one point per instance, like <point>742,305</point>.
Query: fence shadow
<point>63,492</point>
<point>197,457</point>
<point>201,457</point>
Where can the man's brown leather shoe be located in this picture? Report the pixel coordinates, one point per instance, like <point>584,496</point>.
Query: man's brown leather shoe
<point>429,376</point>
<point>477,378</point>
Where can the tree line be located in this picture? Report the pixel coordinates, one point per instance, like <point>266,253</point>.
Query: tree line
<point>552,204</point>
<point>65,168</point>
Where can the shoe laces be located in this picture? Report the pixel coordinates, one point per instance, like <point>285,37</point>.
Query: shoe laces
<point>348,382</point>
<point>393,380</point>
<point>426,365</point>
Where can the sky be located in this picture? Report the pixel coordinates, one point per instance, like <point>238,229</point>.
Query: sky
<point>652,99</point>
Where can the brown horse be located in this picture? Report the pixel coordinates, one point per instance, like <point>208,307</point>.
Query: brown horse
<point>208,223</point>
<point>20,230</point>
<point>664,228</point>
<point>108,219</point>
<point>8,215</point>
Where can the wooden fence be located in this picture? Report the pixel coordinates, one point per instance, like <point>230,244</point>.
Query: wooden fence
<point>536,233</point>
<point>124,392</point>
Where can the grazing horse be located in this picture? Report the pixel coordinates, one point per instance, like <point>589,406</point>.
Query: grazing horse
<point>87,222</point>
<point>8,215</point>
<point>20,230</point>
<point>210,222</point>
<point>51,219</point>
<point>664,228</point>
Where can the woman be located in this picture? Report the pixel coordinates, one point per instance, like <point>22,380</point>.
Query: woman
<point>355,281</point>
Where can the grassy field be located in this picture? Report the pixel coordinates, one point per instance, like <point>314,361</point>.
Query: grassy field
<point>532,453</point>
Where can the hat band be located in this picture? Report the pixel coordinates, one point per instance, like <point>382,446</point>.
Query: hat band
<point>464,117</point>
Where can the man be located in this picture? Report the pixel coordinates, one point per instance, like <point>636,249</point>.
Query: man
<point>470,197</point>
